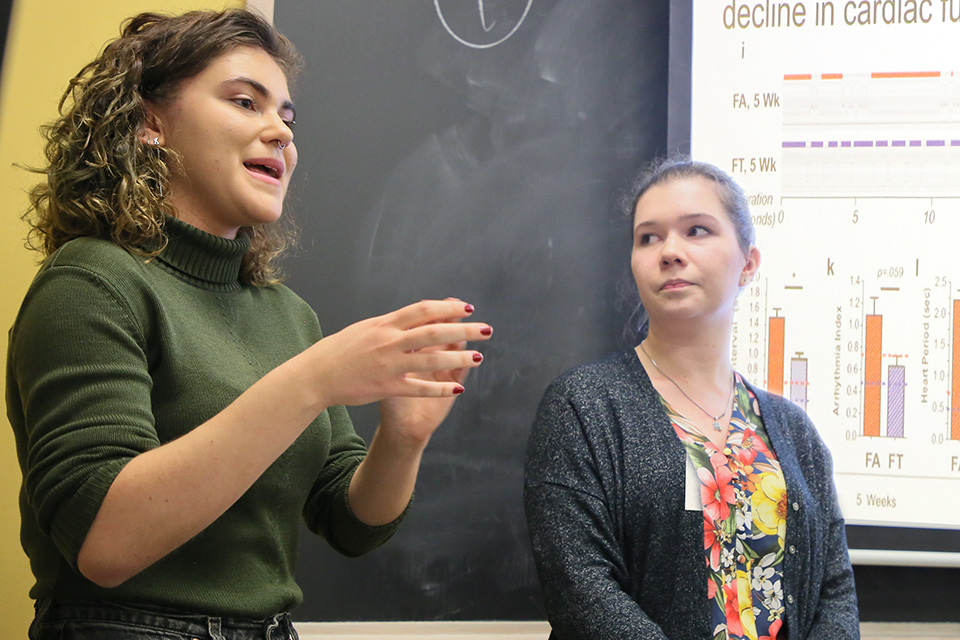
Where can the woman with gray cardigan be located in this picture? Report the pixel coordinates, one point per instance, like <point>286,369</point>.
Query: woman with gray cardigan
<point>667,497</point>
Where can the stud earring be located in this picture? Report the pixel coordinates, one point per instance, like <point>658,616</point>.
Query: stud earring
<point>156,141</point>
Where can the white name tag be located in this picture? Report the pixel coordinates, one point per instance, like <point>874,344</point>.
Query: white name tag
<point>691,498</point>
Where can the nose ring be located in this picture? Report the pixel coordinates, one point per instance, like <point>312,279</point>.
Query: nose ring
<point>281,145</point>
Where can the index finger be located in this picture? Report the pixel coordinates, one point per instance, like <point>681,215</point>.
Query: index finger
<point>430,311</point>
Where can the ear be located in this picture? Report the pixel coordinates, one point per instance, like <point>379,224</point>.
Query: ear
<point>751,267</point>
<point>152,132</point>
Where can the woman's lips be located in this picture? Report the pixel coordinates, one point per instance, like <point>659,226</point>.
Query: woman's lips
<point>268,169</point>
<point>672,285</point>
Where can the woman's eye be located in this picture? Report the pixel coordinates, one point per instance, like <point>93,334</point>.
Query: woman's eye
<point>245,103</point>
<point>291,124</point>
<point>698,230</point>
<point>645,238</point>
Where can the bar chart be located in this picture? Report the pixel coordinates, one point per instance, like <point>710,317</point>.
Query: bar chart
<point>875,384</point>
<point>798,381</point>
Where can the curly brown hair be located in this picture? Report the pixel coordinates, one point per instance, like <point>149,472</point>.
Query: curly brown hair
<point>101,180</point>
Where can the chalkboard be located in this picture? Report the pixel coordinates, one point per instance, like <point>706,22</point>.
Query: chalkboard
<point>6,6</point>
<point>479,150</point>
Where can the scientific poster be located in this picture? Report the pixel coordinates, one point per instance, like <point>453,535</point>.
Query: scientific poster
<point>842,121</point>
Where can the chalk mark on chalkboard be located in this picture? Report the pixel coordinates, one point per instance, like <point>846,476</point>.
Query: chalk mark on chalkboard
<point>483,19</point>
<point>483,23</point>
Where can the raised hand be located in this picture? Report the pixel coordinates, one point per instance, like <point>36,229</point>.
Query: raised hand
<point>416,351</point>
<point>421,366</point>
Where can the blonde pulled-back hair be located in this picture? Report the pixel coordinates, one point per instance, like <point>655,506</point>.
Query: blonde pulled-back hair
<point>101,180</point>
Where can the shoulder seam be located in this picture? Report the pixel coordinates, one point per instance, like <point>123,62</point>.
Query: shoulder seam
<point>112,290</point>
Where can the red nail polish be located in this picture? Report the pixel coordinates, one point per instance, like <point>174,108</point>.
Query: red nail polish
<point>468,308</point>
<point>477,357</point>
<point>486,331</point>
<point>458,390</point>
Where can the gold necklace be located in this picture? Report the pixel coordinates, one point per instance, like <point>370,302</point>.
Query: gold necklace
<point>716,419</point>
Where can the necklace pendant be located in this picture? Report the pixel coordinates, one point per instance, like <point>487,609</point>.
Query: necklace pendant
<point>716,425</point>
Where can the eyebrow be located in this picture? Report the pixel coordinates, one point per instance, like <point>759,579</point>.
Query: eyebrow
<point>263,91</point>
<point>684,218</point>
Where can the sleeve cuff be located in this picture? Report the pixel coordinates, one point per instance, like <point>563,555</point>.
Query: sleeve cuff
<point>352,537</point>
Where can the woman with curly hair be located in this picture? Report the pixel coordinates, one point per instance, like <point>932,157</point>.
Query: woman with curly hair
<point>176,409</point>
<point>667,497</point>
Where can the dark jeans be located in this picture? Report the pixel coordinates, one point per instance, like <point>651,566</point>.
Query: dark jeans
<point>115,622</point>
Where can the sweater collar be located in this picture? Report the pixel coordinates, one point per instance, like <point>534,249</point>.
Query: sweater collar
<point>201,255</point>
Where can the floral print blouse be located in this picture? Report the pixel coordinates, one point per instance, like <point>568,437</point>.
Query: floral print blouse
<point>744,502</point>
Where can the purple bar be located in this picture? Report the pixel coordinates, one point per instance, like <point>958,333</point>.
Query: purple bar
<point>798,382</point>
<point>859,144</point>
<point>896,381</point>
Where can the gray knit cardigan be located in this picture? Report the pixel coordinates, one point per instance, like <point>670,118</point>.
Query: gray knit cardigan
<point>617,553</point>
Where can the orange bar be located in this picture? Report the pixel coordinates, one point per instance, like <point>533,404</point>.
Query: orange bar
<point>871,375</point>
<point>797,76</point>
<point>905,74</point>
<point>955,390</point>
<point>831,76</point>
<point>775,356</point>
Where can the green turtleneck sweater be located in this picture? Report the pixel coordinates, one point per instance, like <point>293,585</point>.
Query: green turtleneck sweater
<point>111,356</point>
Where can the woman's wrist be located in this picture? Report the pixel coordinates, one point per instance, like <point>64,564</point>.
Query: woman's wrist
<point>398,442</point>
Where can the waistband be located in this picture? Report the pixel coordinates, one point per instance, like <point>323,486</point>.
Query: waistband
<point>276,627</point>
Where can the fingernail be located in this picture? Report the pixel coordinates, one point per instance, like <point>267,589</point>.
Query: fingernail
<point>486,331</point>
<point>477,357</point>
<point>468,308</point>
<point>458,390</point>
